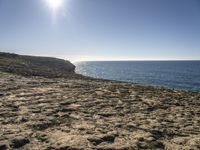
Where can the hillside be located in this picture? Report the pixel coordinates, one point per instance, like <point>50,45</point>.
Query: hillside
<point>35,66</point>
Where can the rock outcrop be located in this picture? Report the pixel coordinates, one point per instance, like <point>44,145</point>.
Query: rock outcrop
<point>76,114</point>
<point>83,113</point>
<point>35,66</point>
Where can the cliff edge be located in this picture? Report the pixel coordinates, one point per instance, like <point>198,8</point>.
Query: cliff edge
<point>35,66</point>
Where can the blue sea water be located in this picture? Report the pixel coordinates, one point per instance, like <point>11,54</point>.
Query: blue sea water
<point>172,74</point>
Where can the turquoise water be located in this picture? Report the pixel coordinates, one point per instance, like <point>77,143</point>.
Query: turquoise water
<point>173,74</point>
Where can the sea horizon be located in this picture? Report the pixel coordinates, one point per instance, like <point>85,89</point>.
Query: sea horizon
<point>128,60</point>
<point>170,74</point>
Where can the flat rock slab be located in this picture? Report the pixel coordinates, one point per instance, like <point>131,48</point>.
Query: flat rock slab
<point>79,113</point>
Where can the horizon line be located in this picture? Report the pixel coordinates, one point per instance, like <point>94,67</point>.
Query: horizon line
<point>76,59</point>
<point>138,60</point>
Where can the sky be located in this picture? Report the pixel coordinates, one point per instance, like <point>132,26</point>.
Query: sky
<point>80,30</point>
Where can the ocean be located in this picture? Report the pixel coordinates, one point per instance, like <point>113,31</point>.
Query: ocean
<point>172,74</point>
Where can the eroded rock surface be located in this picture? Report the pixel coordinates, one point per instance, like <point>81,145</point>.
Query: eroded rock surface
<point>61,114</point>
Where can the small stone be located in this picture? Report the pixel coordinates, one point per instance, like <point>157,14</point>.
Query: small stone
<point>141,139</point>
<point>106,114</point>
<point>131,127</point>
<point>108,138</point>
<point>19,142</point>
<point>67,148</point>
<point>21,119</point>
<point>100,139</point>
<point>42,125</point>
<point>3,146</point>
<point>42,137</point>
<point>67,110</point>
<point>150,139</point>
<point>118,125</point>
<point>95,140</point>
<point>100,93</point>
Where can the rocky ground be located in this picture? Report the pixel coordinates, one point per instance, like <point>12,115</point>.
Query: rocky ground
<point>39,113</point>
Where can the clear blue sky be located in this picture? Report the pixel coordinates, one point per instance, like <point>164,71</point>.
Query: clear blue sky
<point>102,29</point>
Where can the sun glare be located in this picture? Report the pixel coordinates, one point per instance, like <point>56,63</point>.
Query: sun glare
<point>54,4</point>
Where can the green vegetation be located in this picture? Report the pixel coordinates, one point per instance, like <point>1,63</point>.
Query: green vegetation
<point>35,66</point>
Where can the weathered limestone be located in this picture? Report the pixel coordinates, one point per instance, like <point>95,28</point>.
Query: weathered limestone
<point>65,113</point>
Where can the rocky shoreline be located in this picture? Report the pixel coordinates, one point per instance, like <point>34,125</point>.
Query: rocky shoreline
<point>61,113</point>
<point>73,112</point>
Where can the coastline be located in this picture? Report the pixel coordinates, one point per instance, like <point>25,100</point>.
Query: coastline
<point>62,110</point>
<point>87,113</point>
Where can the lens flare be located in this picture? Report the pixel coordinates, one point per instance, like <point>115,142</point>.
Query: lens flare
<point>54,4</point>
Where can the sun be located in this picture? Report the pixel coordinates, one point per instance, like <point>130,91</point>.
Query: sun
<point>54,4</point>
